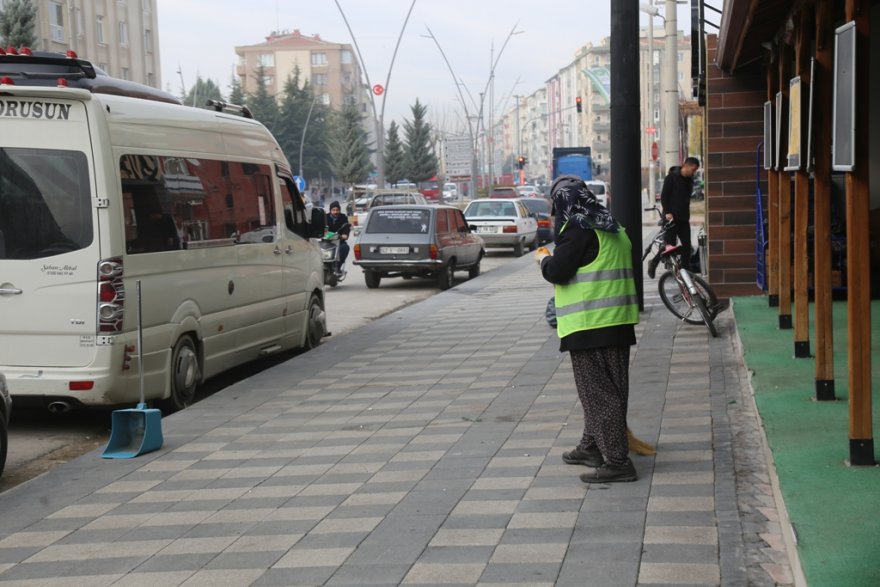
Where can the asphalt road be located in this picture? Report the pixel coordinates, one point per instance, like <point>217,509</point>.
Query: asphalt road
<point>39,441</point>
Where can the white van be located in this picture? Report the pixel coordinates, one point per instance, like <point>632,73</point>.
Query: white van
<point>98,190</point>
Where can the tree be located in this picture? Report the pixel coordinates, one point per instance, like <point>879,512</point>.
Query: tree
<point>302,122</point>
<point>420,160</point>
<point>262,105</point>
<point>395,165</point>
<point>349,148</point>
<point>236,95</point>
<point>18,23</point>
<point>201,92</point>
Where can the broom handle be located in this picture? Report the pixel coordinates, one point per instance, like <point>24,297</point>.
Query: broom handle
<point>140,339</point>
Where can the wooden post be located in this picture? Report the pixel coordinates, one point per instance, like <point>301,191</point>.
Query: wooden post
<point>802,195</point>
<point>861,441</point>
<point>822,103</point>
<point>784,233</point>
<point>772,263</point>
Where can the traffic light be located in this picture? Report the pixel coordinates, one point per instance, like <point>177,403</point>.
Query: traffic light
<point>521,162</point>
<point>577,104</point>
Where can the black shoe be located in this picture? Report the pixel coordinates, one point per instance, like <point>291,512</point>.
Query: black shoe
<point>590,457</point>
<point>652,266</point>
<point>609,473</point>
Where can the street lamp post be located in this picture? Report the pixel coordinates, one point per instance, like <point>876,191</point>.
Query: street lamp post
<point>670,88</point>
<point>302,139</point>
<point>651,11</point>
<point>493,62</point>
<point>378,123</point>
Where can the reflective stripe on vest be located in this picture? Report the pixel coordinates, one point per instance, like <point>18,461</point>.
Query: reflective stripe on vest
<point>603,292</point>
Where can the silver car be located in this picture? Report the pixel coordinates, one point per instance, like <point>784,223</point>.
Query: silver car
<point>503,223</point>
<point>5,413</point>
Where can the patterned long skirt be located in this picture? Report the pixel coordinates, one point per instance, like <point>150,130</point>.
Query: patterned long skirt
<point>601,376</point>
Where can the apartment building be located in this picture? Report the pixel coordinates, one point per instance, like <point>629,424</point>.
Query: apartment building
<point>119,36</point>
<point>331,68</point>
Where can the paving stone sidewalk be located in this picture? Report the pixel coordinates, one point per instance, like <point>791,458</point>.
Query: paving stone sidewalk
<point>424,449</point>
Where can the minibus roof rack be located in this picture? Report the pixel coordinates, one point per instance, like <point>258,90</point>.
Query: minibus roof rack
<point>43,68</point>
<point>221,106</point>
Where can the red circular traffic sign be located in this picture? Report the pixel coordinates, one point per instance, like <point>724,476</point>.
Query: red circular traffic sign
<point>654,151</point>
<point>378,89</point>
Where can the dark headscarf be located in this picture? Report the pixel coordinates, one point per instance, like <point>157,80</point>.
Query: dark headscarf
<point>335,204</point>
<point>576,204</point>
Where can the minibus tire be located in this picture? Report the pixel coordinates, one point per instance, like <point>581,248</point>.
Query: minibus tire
<point>185,375</point>
<point>315,331</point>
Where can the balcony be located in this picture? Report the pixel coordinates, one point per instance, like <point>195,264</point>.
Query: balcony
<point>57,33</point>
<point>601,126</point>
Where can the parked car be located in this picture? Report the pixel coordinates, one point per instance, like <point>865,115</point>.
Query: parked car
<point>384,198</point>
<point>503,223</point>
<point>527,191</point>
<point>417,241</point>
<point>600,190</point>
<point>503,191</point>
<point>450,191</point>
<point>541,208</point>
<point>5,413</point>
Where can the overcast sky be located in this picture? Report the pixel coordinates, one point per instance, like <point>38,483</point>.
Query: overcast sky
<point>199,36</point>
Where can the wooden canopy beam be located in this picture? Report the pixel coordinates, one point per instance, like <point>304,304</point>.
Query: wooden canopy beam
<point>823,87</point>
<point>861,441</point>
<point>802,191</point>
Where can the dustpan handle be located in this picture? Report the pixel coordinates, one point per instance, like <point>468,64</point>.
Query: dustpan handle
<point>140,343</point>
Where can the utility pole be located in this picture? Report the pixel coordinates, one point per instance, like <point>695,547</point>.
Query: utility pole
<point>671,152</point>
<point>651,11</point>
<point>625,161</point>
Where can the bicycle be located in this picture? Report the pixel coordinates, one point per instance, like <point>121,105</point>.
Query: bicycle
<point>681,291</point>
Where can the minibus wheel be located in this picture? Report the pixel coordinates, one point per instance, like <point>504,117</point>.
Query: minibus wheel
<point>185,374</point>
<point>316,327</point>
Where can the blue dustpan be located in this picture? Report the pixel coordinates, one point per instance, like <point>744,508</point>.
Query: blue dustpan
<point>137,430</point>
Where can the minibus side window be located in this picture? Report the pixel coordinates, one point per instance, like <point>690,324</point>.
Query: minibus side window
<point>294,208</point>
<point>254,203</point>
<point>173,203</point>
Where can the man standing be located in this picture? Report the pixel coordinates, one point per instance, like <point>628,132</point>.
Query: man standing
<point>596,310</point>
<point>675,198</point>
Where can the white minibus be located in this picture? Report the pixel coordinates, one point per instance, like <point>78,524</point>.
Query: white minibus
<point>104,182</point>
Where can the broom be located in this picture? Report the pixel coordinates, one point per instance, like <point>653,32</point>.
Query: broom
<point>638,446</point>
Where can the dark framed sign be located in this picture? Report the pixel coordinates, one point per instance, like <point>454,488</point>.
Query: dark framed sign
<point>768,135</point>
<point>795,102</point>
<point>843,141</point>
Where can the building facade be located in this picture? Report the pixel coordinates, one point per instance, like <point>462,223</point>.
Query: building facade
<point>331,68</point>
<point>119,36</point>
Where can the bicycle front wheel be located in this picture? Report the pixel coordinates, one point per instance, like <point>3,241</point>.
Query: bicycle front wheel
<point>676,298</point>
<point>700,304</point>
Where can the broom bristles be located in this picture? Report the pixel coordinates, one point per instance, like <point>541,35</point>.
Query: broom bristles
<point>638,446</point>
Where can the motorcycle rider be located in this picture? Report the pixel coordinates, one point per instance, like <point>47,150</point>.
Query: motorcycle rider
<point>338,222</point>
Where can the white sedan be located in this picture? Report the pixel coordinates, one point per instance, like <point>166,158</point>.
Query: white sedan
<point>503,222</point>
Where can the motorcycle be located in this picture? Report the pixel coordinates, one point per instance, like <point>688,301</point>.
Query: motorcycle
<point>333,274</point>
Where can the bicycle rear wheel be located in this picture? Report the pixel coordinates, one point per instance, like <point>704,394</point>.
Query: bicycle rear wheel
<point>707,317</point>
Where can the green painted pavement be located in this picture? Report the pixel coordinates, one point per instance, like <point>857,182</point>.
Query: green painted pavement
<point>835,509</point>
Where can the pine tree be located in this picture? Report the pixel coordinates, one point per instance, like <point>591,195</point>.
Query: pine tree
<point>349,149</point>
<point>420,160</point>
<point>18,23</point>
<point>201,92</point>
<point>394,156</point>
<point>236,95</point>
<point>297,127</point>
<point>262,105</point>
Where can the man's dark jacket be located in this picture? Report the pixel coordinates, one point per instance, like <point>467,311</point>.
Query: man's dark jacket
<point>675,196</point>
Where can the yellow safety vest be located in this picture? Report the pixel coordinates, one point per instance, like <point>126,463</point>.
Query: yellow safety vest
<point>602,293</point>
